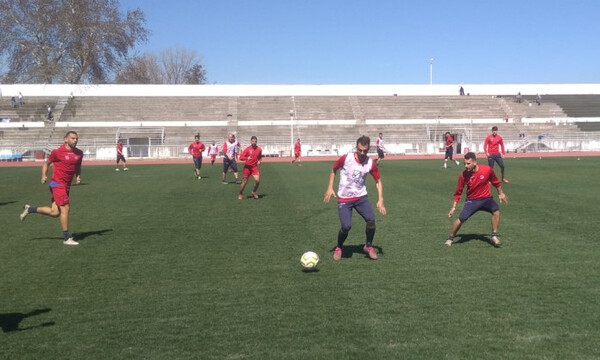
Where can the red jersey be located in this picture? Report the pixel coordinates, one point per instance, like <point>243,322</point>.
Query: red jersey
<point>477,182</point>
<point>196,149</point>
<point>449,141</point>
<point>66,162</point>
<point>492,143</point>
<point>251,155</point>
<point>297,148</point>
<point>119,149</point>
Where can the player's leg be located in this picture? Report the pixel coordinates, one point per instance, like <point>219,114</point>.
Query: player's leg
<point>491,161</point>
<point>225,168</point>
<point>256,178</point>
<point>363,208</point>
<point>495,222</point>
<point>470,208</point>
<point>246,171</point>
<point>345,215</point>
<point>500,162</point>
<point>52,211</point>
<point>235,171</point>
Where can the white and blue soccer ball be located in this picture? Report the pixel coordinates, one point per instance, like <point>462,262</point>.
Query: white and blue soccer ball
<point>309,260</point>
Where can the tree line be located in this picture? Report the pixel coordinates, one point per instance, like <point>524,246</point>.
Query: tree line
<point>85,41</point>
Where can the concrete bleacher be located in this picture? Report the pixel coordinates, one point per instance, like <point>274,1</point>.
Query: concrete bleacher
<point>323,121</point>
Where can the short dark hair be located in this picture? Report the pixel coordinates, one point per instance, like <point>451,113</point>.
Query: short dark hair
<point>364,140</point>
<point>71,132</point>
<point>253,138</point>
<point>470,156</point>
<point>494,128</point>
<point>197,137</point>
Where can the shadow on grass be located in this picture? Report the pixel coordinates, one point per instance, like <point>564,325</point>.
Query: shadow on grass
<point>11,321</point>
<point>7,203</point>
<point>349,250</point>
<point>471,237</point>
<point>78,236</point>
<point>82,235</point>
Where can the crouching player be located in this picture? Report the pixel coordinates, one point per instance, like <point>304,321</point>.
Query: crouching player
<point>477,179</point>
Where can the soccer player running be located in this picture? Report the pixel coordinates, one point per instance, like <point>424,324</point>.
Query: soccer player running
<point>449,149</point>
<point>120,156</point>
<point>477,179</point>
<point>213,151</point>
<point>381,150</point>
<point>352,194</point>
<point>297,153</point>
<point>231,150</point>
<point>491,146</point>
<point>196,149</point>
<point>252,155</point>
<point>66,162</point>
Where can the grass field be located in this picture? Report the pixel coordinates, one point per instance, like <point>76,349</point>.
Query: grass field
<point>170,267</point>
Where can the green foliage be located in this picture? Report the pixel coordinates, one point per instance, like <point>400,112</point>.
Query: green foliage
<point>174,267</point>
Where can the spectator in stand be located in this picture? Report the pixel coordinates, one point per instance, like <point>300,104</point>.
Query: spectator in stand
<point>50,116</point>
<point>519,97</point>
<point>21,99</point>
<point>538,99</point>
<point>13,102</point>
<point>461,91</point>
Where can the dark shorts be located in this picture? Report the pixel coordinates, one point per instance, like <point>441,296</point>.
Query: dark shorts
<point>449,152</point>
<point>380,154</point>
<point>495,158</point>
<point>121,158</point>
<point>60,193</point>
<point>474,205</point>
<point>197,162</point>
<point>363,208</point>
<point>227,163</point>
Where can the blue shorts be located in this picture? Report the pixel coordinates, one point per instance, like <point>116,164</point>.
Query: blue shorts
<point>198,162</point>
<point>380,154</point>
<point>495,158</point>
<point>449,152</point>
<point>363,208</point>
<point>227,163</point>
<point>474,205</point>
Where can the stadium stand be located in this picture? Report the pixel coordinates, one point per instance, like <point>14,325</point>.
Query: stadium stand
<point>327,124</point>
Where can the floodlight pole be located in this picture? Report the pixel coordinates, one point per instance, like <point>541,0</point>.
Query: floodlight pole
<point>431,71</point>
<point>292,132</point>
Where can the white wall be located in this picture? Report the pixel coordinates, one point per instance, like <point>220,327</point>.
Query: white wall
<point>9,90</point>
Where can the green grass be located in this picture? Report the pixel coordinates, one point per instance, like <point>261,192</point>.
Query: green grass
<point>170,267</point>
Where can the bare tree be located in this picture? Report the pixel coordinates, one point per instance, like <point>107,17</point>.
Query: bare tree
<point>142,69</point>
<point>67,41</point>
<point>171,66</point>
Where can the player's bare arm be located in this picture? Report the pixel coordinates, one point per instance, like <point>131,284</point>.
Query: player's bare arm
<point>380,205</point>
<point>502,196</point>
<point>45,172</point>
<point>452,209</point>
<point>330,192</point>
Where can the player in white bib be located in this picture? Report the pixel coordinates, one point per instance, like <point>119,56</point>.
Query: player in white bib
<point>352,194</point>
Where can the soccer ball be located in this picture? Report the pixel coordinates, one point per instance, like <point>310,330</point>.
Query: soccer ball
<point>309,260</point>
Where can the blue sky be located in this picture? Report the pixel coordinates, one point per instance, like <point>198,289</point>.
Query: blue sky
<point>381,41</point>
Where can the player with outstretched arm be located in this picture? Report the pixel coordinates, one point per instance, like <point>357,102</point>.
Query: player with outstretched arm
<point>252,155</point>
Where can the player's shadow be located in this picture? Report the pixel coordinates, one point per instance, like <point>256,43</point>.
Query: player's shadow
<point>7,203</point>
<point>82,235</point>
<point>349,250</point>
<point>470,237</point>
<point>11,321</point>
<point>260,196</point>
